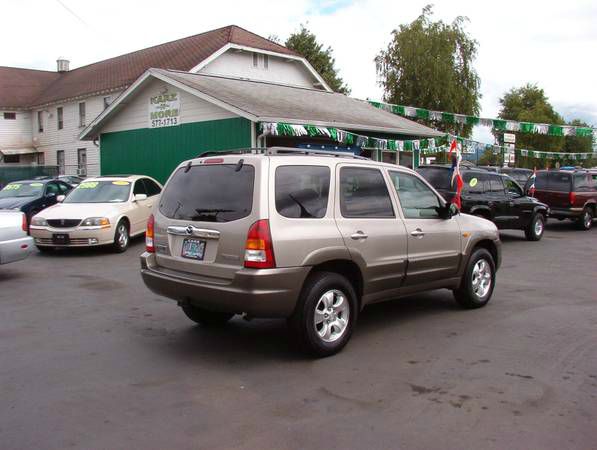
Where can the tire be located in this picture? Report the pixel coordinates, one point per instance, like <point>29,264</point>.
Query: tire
<point>121,238</point>
<point>467,295</point>
<point>586,220</point>
<point>44,249</point>
<point>536,227</point>
<point>205,317</point>
<point>335,300</point>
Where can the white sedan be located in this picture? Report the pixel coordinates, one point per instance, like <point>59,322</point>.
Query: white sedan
<point>15,245</point>
<point>106,210</point>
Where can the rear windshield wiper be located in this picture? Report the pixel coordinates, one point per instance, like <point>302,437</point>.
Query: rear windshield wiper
<point>304,212</point>
<point>209,213</point>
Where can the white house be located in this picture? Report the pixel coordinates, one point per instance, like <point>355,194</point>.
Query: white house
<point>42,113</point>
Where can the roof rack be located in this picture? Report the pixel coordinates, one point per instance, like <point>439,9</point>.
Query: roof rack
<point>281,151</point>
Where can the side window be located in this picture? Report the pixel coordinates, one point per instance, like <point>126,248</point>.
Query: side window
<point>363,193</point>
<point>541,181</point>
<point>139,187</point>
<point>416,199</point>
<point>559,181</point>
<point>151,187</point>
<point>302,191</point>
<point>495,182</point>
<point>52,188</point>
<point>582,182</point>
<point>512,188</point>
<point>473,183</point>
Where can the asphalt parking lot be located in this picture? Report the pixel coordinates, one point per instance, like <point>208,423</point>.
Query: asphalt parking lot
<point>90,359</point>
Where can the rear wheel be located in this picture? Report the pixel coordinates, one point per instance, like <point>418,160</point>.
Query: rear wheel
<point>478,281</point>
<point>325,315</point>
<point>205,317</point>
<point>586,220</point>
<point>535,228</point>
<point>121,237</point>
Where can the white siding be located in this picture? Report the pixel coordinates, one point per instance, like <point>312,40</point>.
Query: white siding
<point>15,133</point>
<point>52,139</point>
<point>280,70</point>
<point>136,113</point>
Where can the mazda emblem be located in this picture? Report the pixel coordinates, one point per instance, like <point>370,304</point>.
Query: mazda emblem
<point>189,230</point>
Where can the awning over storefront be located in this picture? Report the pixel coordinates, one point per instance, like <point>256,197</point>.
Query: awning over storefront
<point>18,151</point>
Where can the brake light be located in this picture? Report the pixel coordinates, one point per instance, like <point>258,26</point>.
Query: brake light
<point>214,161</point>
<point>259,250</point>
<point>572,198</point>
<point>24,224</point>
<point>149,235</point>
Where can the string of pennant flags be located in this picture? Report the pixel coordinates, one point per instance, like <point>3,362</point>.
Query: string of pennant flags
<point>424,146</point>
<point>497,124</point>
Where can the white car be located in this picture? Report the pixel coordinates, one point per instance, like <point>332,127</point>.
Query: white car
<point>106,210</point>
<point>15,245</point>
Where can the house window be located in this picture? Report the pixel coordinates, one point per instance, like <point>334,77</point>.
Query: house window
<point>255,60</point>
<point>12,158</point>
<point>10,116</point>
<point>41,159</point>
<point>106,102</point>
<point>60,161</point>
<point>82,114</point>
<point>40,121</point>
<point>59,117</point>
<point>265,61</point>
<point>82,162</point>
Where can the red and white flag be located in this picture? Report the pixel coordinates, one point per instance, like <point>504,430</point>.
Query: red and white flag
<point>456,175</point>
<point>532,183</point>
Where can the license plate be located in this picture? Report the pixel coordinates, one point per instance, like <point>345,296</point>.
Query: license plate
<point>60,238</point>
<point>193,249</point>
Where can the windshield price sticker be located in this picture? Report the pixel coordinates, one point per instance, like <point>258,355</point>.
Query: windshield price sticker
<point>88,185</point>
<point>12,187</point>
<point>36,184</point>
<point>121,183</point>
<point>473,182</point>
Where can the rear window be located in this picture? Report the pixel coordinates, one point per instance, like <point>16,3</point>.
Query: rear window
<point>302,191</point>
<point>438,178</point>
<point>583,182</point>
<point>209,193</point>
<point>559,181</point>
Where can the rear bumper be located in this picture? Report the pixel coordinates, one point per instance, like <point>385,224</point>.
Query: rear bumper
<point>565,213</point>
<point>15,250</point>
<point>258,293</point>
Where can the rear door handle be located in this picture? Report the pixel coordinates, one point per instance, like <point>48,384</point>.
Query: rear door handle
<point>358,235</point>
<point>418,233</point>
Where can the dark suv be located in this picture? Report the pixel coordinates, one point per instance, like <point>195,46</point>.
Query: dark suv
<point>520,175</point>
<point>493,196</point>
<point>570,194</point>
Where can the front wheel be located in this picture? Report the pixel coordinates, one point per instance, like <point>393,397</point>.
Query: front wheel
<point>535,228</point>
<point>205,317</point>
<point>586,220</point>
<point>478,281</point>
<point>121,237</point>
<point>325,315</point>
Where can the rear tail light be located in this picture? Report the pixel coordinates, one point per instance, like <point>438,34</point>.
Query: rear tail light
<point>259,250</point>
<point>24,224</point>
<point>149,235</point>
<point>572,198</point>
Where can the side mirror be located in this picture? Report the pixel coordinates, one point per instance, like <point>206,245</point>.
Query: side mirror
<point>60,198</point>
<point>448,211</point>
<point>140,197</point>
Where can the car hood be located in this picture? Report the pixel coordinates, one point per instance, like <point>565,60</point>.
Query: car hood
<point>14,202</point>
<point>82,210</point>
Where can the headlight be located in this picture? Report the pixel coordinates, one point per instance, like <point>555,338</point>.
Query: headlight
<point>39,221</point>
<point>95,222</point>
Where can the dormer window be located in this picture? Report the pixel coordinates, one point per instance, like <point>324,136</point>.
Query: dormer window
<point>260,61</point>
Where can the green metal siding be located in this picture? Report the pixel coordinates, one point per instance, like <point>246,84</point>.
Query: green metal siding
<point>156,152</point>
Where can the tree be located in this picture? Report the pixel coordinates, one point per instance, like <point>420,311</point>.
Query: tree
<point>430,65</point>
<point>305,43</point>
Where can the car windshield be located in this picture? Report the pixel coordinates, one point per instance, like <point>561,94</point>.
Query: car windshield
<point>100,191</point>
<point>439,178</point>
<point>22,190</point>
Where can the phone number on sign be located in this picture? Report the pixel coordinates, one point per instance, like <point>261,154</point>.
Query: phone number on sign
<point>156,123</point>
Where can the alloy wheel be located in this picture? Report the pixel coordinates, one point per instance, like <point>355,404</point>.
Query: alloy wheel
<point>331,317</point>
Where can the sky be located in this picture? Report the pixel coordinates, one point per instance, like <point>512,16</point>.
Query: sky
<point>550,43</point>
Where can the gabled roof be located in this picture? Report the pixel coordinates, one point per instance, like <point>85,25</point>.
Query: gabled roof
<point>36,87</point>
<point>261,101</point>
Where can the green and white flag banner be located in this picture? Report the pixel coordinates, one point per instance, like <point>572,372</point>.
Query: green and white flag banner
<point>424,146</point>
<point>498,124</point>
<point>431,145</point>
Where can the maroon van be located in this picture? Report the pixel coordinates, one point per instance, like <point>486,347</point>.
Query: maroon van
<point>570,194</point>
